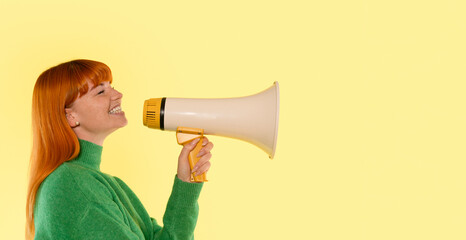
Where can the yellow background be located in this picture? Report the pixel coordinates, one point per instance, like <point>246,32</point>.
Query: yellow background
<point>372,120</point>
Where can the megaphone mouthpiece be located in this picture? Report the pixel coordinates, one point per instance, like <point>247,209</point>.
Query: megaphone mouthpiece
<point>153,114</point>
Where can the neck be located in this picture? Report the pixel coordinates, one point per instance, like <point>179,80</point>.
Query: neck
<point>93,138</point>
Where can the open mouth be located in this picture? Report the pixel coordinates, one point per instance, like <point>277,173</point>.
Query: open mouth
<point>115,110</point>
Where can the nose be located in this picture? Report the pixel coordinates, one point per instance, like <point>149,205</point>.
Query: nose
<point>117,94</point>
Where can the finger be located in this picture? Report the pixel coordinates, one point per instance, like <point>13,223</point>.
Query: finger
<point>190,146</point>
<point>205,141</point>
<point>202,169</point>
<point>202,161</point>
<point>187,148</point>
<point>205,149</point>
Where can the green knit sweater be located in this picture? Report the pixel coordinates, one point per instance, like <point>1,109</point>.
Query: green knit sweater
<point>78,201</point>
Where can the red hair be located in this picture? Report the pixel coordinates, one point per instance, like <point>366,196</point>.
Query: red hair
<point>54,142</point>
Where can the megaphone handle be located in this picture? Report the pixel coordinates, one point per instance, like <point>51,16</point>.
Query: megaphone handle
<point>193,159</point>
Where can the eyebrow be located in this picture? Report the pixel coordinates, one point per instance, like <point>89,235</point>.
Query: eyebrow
<point>101,84</point>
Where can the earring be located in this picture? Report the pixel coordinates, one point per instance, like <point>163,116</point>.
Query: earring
<point>77,124</point>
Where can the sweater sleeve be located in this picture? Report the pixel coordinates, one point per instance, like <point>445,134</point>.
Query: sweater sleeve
<point>181,213</point>
<point>65,211</point>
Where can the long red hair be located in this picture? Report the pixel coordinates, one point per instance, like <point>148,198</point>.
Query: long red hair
<point>54,142</point>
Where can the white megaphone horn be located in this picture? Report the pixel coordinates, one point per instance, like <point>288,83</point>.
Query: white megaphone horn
<point>253,119</point>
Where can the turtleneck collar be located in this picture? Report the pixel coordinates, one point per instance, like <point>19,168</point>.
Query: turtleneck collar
<point>89,155</point>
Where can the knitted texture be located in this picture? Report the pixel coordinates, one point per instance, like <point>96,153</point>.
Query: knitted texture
<point>78,201</point>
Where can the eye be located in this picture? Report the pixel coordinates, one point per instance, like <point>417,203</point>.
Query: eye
<point>101,92</point>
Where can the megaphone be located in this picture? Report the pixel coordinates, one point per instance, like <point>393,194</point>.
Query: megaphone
<point>253,119</point>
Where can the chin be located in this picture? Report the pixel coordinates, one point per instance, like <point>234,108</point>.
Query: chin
<point>120,125</point>
<point>124,123</point>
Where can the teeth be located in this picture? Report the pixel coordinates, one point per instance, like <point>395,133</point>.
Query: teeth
<point>115,110</point>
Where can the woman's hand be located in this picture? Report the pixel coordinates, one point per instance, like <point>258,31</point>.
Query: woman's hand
<point>202,166</point>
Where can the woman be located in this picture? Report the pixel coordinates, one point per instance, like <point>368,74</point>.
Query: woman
<point>74,109</point>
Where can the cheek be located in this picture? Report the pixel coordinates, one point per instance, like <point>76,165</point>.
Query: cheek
<point>94,111</point>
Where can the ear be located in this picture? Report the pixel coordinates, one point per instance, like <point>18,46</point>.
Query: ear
<point>70,117</point>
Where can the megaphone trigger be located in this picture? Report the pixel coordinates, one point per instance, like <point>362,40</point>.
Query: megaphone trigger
<point>184,134</point>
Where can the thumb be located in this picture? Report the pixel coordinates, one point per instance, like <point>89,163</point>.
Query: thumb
<point>187,148</point>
